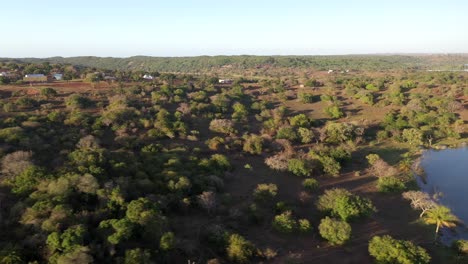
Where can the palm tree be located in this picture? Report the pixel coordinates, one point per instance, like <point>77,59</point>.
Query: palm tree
<point>441,217</point>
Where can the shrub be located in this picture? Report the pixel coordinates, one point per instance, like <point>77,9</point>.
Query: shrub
<point>330,165</point>
<point>284,223</point>
<point>306,135</point>
<point>224,126</point>
<point>286,133</point>
<point>239,249</point>
<point>277,162</point>
<point>300,120</point>
<point>337,232</point>
<point>310,184</point>
<point>304,226</point>
<point>48,92</point>
<point>167,241</point>
<point>265,192</point>
<point>461,246</point>
<point>306,98</point>
<point>390,184</point>
<point>76,101</point>
<point>386,249</point>
<point>253,144</point>
<point>298,167</point>
<point>334,111</point>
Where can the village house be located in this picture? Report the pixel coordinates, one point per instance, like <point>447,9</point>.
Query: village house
<point>36,78</point>
<point>57,76</point>
<point>225,81</point>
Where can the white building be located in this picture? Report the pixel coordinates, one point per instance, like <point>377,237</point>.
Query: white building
<point>225,81</point>
<point>148,77</point>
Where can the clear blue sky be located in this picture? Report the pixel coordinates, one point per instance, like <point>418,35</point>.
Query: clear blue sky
<point>31,28</point>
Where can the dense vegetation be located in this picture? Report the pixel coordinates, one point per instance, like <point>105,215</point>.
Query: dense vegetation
<point>181,168</point>
<point>205,63</point>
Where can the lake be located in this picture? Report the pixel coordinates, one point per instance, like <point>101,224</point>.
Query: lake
<point>447,174</point>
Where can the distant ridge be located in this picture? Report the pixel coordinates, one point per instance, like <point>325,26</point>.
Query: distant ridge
<point>318,62</point>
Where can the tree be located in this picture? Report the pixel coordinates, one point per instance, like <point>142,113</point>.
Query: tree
<point>239,249</point>
<point>16,162</point>
<point>78,255</point>
<point>335,231</point>
<point>440,216</point>
<point>341,203</point>
<point>123,229</point>
<point>420,201</point>
<point>142,211</point>
<point>413,136</point>
<point>207,200</point>
<point>386,249</point>
<point>137,256</point>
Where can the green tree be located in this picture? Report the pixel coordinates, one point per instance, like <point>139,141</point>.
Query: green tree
<point>299,167</point>
<point>386,249</point>
<point>137,256</point>
<point>335,231</point>
<point>167,241</point>
<point>239,249</point>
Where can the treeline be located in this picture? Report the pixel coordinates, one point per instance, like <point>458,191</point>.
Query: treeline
<point>204,63</point>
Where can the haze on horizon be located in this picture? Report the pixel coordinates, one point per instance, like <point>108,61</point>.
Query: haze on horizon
<point>207,27</point>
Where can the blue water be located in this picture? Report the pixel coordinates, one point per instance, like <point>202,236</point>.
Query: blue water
<point>447,174</point>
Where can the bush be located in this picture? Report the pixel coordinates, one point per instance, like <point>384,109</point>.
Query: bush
<point>265,192</point>
<point>224,126</point>
<point>48,92</point>
<point>334,111</point>
<point>277,162</point>
<point>298,167</point>
<point>390,184</point>
<point>300,120</point>
<point>304,226</point>
<point>253,144</point>
<point>341,203</point>
<point>167,241</point>
<point>286,133</point>
<point>310,184</point>
<point>306,98</point>
<point>335,231</point>
<point>284,223</point>
<point>239,249</point>
<point>461,246</point>
<point>76,101</point>
<point>386,249</point>
<point>306,135</point>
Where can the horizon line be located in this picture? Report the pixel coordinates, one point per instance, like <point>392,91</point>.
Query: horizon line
<point>256,55</point>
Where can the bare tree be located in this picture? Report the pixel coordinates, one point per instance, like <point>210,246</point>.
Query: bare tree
<point>420,201</point>
<point>207,200</point>
<point>16,162</point>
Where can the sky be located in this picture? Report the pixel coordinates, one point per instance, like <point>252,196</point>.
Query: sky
<point>31,28</point>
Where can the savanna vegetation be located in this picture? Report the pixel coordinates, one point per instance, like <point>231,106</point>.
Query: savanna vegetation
<point>293,167</point>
